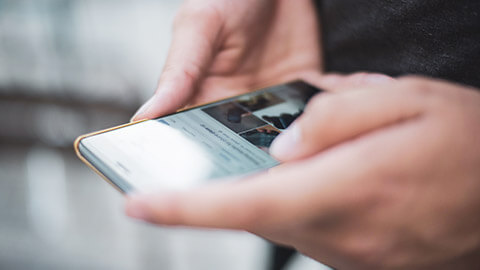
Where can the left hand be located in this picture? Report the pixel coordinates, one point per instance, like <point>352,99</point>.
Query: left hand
<point>379,177</point>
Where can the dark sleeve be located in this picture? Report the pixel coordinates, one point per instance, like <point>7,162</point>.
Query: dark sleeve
<point>437,38</point>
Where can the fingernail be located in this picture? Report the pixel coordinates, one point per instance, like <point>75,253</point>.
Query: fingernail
<point>136,208</point>
<point>285,143</point>
<point>377,79</point>
<point>143,108</point>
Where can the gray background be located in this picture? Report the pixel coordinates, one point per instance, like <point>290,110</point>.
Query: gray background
<point>70,67</point>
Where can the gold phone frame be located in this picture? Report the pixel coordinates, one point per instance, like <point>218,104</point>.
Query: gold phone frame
<point>76,146</point>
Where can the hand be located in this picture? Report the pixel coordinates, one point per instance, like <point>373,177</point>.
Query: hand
<point>379,177</point>
<point>221,48</point>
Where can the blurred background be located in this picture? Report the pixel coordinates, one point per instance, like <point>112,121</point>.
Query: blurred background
<point>69,67</point>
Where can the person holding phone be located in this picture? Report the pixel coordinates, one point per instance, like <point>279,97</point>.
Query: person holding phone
<point>384,171</point>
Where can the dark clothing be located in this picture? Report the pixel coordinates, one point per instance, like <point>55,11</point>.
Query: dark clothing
<point>437,38</point>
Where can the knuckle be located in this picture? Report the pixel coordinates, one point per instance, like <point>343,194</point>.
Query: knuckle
<point>191,72</point>
<point>188,73</point>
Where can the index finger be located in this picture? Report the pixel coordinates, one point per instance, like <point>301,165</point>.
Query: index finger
<point>264,201</point>
<point>191,51</point>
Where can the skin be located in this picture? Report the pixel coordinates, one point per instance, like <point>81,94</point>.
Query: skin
<point>379,173</point>
<point>222,48</point>
<point>389,182</point>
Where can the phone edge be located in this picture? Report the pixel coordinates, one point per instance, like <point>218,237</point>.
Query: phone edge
<point>76,147</point>
<point>262,88</point>
<point>90,165</point>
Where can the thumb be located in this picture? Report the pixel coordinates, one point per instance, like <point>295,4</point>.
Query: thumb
<point>330,119</point>
<point>191,51</point>
<point>260,202</point>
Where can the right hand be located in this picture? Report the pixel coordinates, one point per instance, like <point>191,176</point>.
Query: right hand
<point>384,175</point>
<point>222,48</point>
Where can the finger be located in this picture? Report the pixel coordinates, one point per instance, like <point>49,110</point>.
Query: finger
<point>318,187</point>
<point>255,204</point>
<point>191,51</point>
<point>229,206</point>
<point>334,118</point>
<point>339,82</point>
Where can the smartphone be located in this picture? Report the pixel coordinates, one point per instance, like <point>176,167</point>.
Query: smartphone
<point>222,140</point>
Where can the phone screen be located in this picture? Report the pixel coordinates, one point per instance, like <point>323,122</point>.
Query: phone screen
<point>226,139</point>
